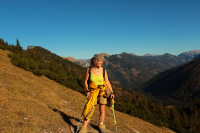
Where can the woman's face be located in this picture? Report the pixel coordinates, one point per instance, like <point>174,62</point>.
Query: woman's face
<point>99,63</point>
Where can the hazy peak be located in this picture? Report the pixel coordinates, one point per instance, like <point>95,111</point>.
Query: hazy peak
<point>150,55</point>
<point>132,54</point>
<point>105,54</point>
<point>123,53</point>
<point>191,53</point>
<point>72,59</point>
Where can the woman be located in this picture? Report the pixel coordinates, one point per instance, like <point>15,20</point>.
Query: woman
<point>98,80</point>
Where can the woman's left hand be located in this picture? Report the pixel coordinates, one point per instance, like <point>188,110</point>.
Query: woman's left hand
<point>112,96</point>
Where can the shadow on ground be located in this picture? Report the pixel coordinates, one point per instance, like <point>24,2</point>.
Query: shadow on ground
<point>67,119</point>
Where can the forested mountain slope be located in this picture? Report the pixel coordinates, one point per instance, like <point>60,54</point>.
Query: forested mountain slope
<point>181,83</point>
<point>30,103</point>
<point>132,71</point>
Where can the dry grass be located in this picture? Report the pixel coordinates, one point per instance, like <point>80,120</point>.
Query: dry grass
<point>31,104</point>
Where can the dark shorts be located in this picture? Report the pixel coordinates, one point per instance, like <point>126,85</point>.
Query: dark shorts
<point>100,100</point>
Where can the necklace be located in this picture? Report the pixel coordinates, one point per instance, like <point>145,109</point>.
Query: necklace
<point>97,70</point>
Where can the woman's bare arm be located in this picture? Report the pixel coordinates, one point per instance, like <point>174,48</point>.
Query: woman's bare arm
<point>109,85</point>
<point>86,79</point>
<point>107,81</point>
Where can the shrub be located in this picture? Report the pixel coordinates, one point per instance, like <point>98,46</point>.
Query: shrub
<point>2,47</point>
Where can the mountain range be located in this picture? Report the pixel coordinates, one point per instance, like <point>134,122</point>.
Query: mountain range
<point>190,54</point>
<point>132,71</point>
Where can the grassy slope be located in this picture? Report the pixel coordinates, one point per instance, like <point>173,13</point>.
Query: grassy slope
<point>29,103</point>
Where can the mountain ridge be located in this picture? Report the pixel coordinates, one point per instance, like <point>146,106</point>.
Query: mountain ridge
<point>181,83</point>
<point>139,69</point>
<point>131,71</point>
<point>192,53</point>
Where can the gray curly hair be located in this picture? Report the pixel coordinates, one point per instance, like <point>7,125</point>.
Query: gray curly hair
<point>96,58</point>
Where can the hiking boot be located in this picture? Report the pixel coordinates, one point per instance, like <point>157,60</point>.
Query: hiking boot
<point>102,128</point>
<point>83,130</point>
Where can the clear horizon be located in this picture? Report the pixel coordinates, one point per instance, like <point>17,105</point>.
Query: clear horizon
<point>81,29</point>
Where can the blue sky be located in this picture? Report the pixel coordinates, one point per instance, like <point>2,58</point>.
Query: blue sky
<point>82,28</point>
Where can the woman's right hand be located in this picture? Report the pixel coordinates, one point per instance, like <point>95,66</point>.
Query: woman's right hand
<point>88,94</point>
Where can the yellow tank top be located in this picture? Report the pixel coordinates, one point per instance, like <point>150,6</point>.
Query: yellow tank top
<point>96,79</point>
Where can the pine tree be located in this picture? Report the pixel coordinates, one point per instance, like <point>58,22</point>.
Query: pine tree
<point>6,45</point>
<point>18,47</point>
